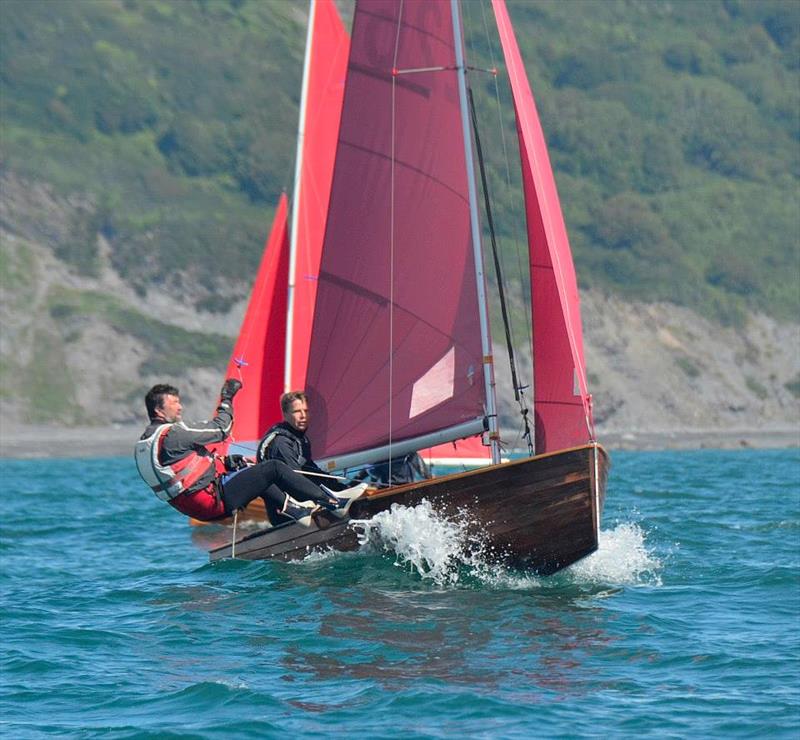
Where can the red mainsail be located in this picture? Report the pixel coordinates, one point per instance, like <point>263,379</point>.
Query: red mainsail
<point>395,350</point>
<point>562,405</point>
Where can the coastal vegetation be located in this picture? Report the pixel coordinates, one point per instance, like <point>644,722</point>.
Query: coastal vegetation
<point>155,136</point>
<point>172,348</point>
<point>673,129</point>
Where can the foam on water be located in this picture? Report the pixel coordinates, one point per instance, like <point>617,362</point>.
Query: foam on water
<point>622,559</point>
<point>445,551</point>
<point>421,540</point>
<point>320,556</point>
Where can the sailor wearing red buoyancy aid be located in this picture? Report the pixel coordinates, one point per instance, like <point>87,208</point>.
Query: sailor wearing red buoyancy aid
<point>173,460</point>
<point>172,457</point>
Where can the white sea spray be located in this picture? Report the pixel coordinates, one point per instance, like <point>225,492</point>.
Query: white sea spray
<point>446,550</point>
<point>622,559</point>
<point>442,549</point>
<point>419,538</point>
<point>321,556</point>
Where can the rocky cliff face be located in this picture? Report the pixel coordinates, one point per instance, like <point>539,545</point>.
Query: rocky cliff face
<point>659,367</point>
<point>83,349</point>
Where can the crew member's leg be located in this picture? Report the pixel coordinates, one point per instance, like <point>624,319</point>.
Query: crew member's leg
<point>258,480</point>
<point>273,510</point>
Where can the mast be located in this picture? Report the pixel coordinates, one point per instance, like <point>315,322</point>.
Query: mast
<point>477,248</point>
<point>298,169</point>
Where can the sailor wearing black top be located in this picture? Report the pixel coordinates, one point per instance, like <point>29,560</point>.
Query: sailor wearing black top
<point>288,443</point>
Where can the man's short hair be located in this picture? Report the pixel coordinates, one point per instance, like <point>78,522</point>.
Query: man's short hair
<point>154,399</point>
<point>287,399</point>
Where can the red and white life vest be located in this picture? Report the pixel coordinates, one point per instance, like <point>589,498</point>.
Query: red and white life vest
<point>168,481</point>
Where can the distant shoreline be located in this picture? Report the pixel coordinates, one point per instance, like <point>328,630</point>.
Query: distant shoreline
<point>28,442</point>
<point>693,439</point>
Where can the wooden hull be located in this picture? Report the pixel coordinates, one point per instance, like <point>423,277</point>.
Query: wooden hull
<point>539,514</point>
<point>255,511</point>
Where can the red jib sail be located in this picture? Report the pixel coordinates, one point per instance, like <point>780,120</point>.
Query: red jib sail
<point>326,66</point>
<point>395,350</point>
<point>562,405</point>
<point>267,328</point>
<point>261,342</point>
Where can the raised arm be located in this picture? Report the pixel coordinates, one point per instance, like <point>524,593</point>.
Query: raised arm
<point>189,435</point>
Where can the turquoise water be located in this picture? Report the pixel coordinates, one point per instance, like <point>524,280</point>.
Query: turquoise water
<point>685,623</point>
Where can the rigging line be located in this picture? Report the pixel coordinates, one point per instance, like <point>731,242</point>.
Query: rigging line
<point>498,268</point>
<point>493,71</point>
<point>523,278</point>
<point>495,256</point>
<point>509,197</point>
<point>233,541</point>
<point>515,237</point>
<point>525,411</point>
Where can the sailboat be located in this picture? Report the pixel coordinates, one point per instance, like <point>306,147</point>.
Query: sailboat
<point>399,357</point>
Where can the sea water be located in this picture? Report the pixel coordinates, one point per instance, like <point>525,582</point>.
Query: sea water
<point>685,623</point>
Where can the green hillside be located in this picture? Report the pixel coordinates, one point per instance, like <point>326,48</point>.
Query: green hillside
<point>674,130</point>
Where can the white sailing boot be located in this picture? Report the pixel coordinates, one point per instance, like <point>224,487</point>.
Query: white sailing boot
<point>344,499</point>
<point>300,511</point>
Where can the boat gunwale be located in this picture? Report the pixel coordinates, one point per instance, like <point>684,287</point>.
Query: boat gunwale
<point>377,493</point>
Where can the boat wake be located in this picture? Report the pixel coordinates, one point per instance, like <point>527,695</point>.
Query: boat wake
<point>446,552</point>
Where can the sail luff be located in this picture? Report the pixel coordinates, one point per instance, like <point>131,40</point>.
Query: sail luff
<point>477,249</point>
<point>298,168</point>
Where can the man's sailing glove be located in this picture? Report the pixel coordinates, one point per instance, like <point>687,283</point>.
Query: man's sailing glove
<point>230,389</point>
<point>235,462</point>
